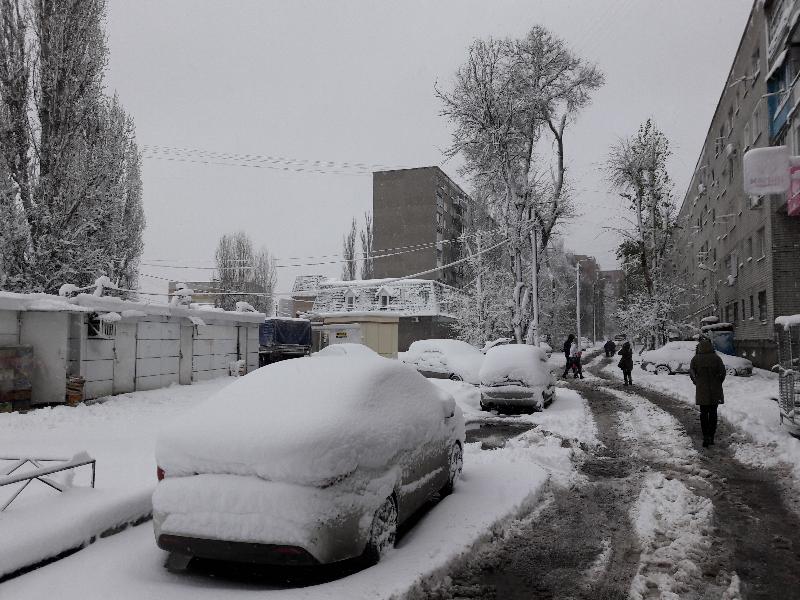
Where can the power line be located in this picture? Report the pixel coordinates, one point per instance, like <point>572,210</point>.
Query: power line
<point>259,161</point>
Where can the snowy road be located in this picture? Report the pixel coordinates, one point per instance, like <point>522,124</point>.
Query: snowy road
<point>656,516</point>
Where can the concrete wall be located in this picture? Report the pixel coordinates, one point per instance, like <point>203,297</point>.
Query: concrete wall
<point>412,329</point>
<point>9,328</point>
<point>404,214</point>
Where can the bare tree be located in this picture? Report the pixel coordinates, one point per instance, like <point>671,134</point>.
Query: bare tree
<point>265,277</point>
<point>637,170</point>
<point>509,100</point>
<point>241,269</point>
<point>350,262</point>
<point>365,234</point>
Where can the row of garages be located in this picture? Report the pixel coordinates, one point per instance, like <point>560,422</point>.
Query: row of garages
<point>114,346</point>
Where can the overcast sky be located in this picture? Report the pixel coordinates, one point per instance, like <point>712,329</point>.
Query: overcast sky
<point>354,81</point>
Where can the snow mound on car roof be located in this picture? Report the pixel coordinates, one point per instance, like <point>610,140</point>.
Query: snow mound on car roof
<point>515,363</point>
<point>307,421</point>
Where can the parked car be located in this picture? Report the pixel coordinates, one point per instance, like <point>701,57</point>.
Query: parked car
<point>347,349</point>
<point>675,357</point>
<point>304,462</point>
<point>516,377</point>
<point>445,359</point>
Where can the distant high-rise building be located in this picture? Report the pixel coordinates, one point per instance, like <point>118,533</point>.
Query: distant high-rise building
<point>418,216</point>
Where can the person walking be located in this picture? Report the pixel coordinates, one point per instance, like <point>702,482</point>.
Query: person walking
<point>567,347</point>
<point>707,372</point>
<point>611,348</point>
<point>626,363</point>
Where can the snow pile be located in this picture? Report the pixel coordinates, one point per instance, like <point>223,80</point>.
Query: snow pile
<point>515,364</point>
<point>308,420</point>
<point>445,356</point>
<point>673,526</point>
<point>347,349</point>
<point>120,434</point>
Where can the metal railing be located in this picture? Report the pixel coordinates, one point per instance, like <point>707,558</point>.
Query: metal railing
<point>41,472</point>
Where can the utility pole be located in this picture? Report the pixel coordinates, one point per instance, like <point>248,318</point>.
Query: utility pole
<point>479,283</point>
<point>578,301</point>
<point>535,286</point>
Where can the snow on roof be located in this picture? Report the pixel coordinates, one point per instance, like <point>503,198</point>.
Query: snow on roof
<point>109,304</point>
<point>307,284</point>
<point>407,297</point>
<point>788,321</point>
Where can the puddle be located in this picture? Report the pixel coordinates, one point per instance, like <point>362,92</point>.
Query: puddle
<point>495,434</point>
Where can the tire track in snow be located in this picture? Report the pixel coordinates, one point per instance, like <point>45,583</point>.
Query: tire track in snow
<point>753,552</point>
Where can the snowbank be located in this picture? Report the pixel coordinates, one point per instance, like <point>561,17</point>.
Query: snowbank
<point>673,526</point>
<point>749,404</point>
<point>120,434</point>
<point>308,420</point>
<point>359,350</point>
<point>494,486</point>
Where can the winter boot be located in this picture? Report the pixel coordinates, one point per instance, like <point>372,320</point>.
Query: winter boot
<point>706,443</point>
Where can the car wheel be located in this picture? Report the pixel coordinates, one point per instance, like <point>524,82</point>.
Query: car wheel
<point>382,532</point>
<point>455,377</point>
<point>663,370</point>
<point>730,371</point>
<point>455,464</point>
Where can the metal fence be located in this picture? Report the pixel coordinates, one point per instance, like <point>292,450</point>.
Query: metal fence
<point>788,368</point>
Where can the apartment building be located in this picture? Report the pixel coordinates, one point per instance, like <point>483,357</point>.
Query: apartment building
<point>418,216</point>
<point>739,254</point>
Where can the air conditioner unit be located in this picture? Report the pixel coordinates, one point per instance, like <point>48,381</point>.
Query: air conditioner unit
<point>730,150</point>
<point>731,280</point>
<point>701,188</point>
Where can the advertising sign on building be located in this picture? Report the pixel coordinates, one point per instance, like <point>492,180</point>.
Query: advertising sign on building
<point>766,170</point>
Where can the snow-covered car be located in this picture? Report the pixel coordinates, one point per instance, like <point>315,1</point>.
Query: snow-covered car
<point>445,359</point>
<point>516,377</point>
<point>504,341</point>
<point>347,349</point>
<point>304,462</point>
<point>675,357</point>
<point>498,342</point>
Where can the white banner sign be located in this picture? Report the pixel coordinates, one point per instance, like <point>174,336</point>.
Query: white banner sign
<point>766,171</point>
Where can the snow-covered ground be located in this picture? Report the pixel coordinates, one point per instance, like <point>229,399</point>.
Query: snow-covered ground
<point>749,404</point>
<point>120,435</point>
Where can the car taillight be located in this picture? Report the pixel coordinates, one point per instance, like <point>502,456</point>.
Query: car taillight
<point>289,550</point>
<point>159,473</point>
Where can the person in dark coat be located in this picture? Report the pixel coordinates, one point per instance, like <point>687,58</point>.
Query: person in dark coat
<point>707,372</point>
<point>626,362</point>
<point>610,348</point>
<point>567,346</point>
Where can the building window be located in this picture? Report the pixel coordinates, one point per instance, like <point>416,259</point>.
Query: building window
<point>762,306</point>
<point>748,248</point>
<point>755,64</point>
<point>728,313</point>
<point>744,311</point>
<point>752,309</point>
<point>759,244</point>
